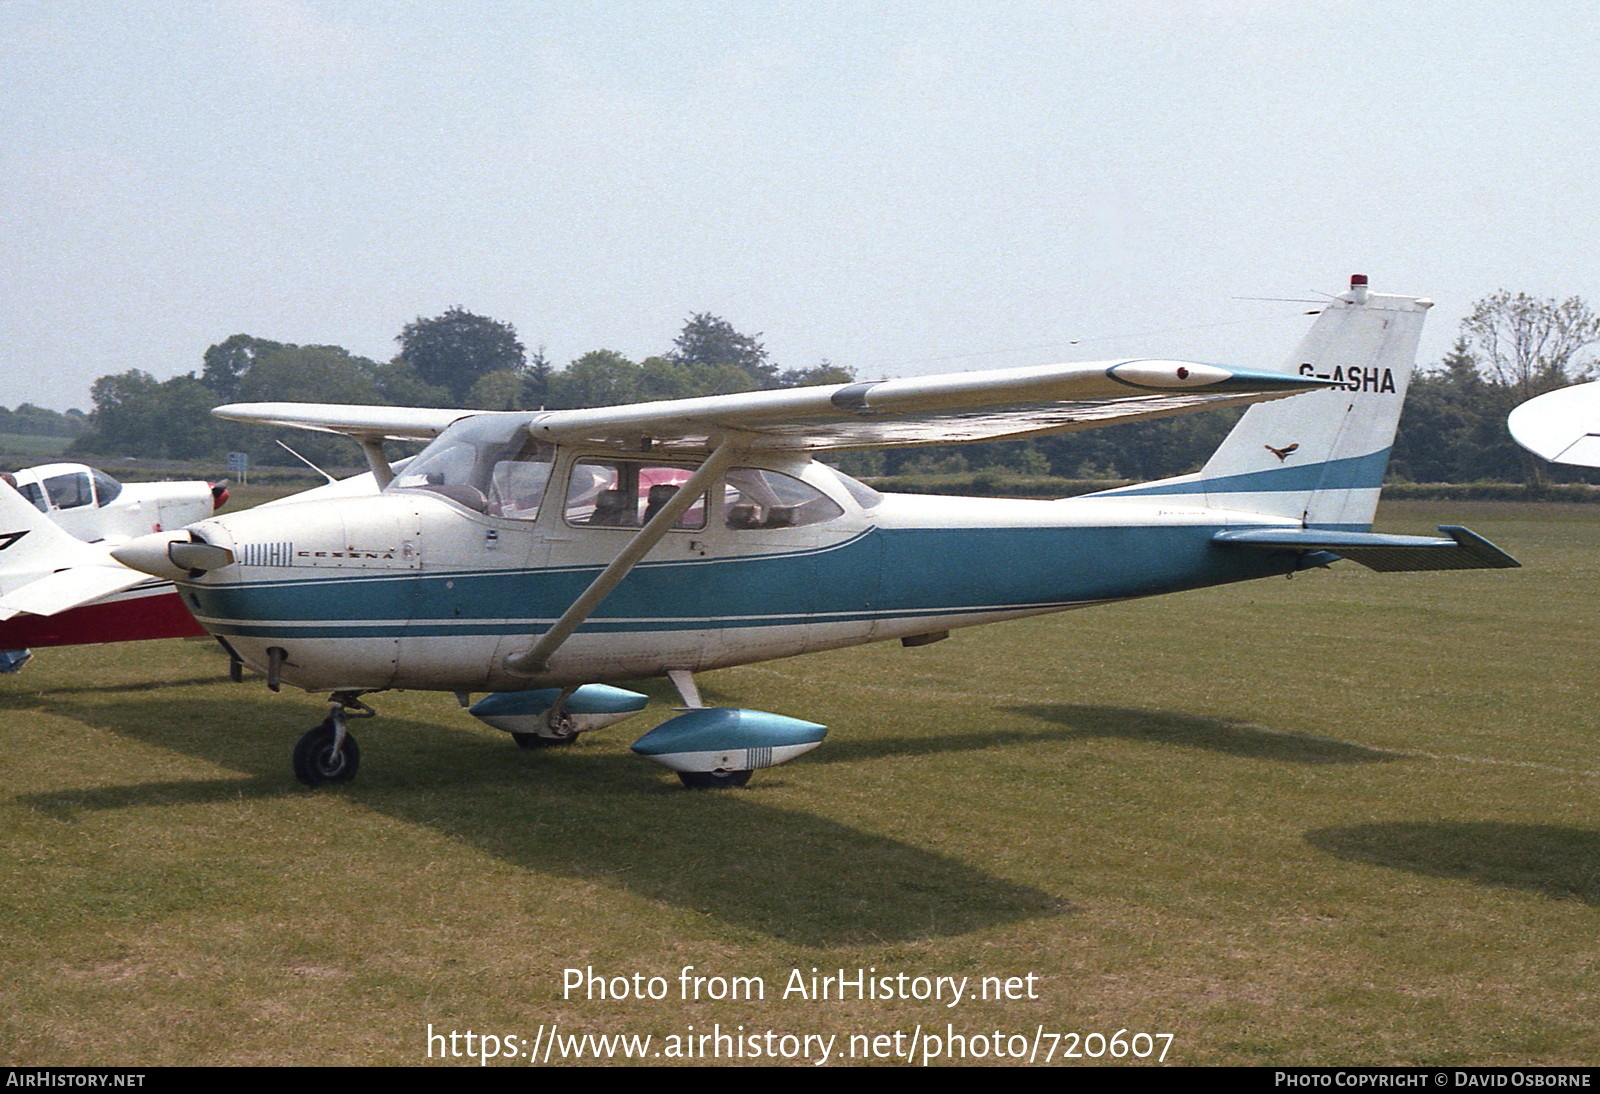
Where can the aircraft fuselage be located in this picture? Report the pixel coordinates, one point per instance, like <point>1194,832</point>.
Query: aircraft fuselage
<point>411,589</point>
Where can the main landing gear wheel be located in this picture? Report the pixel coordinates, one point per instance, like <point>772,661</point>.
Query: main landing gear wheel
<point>714,780</point>
<point>318,761</point>
<point>560,727</point>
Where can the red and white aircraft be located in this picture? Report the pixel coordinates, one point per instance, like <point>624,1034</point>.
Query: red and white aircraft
<point>59,585</point>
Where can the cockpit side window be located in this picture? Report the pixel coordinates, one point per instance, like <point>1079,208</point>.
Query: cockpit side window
<point>488,464</point>
<point>70,491</point>
<point>106,488</point>
<point>516,487</point>
<point>627,493</point>
<point>754,498</point>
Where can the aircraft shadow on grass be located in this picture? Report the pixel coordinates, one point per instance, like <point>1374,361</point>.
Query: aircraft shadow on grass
<point>1081,722</point>
<point>1562,863</point>
<point>588,814</point>
<point>26,696</point>
<point>1211,734</point>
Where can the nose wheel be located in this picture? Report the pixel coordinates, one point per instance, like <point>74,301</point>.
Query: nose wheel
<point>321,757</point>
<point>328,753</point>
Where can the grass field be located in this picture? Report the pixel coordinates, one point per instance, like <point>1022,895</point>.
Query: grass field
<point>1348,818</point>
<point>18,449</point>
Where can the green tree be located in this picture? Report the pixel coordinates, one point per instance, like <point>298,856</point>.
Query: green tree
<point>317,374</point>
<point>227,362</point>
<point>822,373</point>
<point>399,385</point>
<point>502,390</point>
<point>187,429</point>
<point>123,418</point>
<point>454,350</point>
<point>1522,347</point>
<point>311,374</point>
<point>660,378</point>
<point>1452,428</point>
<point>707,340</point>
<point>601,377</point>
<point>536,380</point>
<point>664,378</point>
<point>1527,346</point>
<point>38,421</point>
<point>134,415</point>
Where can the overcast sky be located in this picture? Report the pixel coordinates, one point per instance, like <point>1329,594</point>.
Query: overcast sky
<point>898,187</point>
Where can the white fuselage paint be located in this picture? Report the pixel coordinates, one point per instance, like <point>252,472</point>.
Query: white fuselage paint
<point>445,637</point>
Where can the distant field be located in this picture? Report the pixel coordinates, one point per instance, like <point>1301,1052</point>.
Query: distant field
<point>20,449</point>
<point>1344,819</point>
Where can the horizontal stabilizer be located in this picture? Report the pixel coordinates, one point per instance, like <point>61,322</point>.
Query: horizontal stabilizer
<point>1463,550</point>
<point>68,588</point>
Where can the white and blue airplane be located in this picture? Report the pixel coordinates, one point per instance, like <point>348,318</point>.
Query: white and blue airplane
<point>540,556</point>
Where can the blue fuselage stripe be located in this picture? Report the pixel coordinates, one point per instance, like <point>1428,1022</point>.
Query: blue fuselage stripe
<point>1350,473</point>
<point>883,573</point>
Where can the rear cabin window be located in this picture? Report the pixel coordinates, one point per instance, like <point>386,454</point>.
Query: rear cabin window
<point>33,492</point>
<point>627,493</point>
<point>754,498</point>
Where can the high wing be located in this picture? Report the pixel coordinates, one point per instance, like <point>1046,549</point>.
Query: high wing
<point>1005,404</point>
<point>378,423</point>
<point>1562,426</point>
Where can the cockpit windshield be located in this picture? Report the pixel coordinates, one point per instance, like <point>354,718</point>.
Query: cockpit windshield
<point>865,496</point>
<point>487,463</point>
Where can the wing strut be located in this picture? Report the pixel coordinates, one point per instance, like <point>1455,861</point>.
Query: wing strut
<point>372,448</point>
<point>535,660</point>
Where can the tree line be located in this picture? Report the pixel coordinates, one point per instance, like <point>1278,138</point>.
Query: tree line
<point>1511,348</point>
<point>36,421</point>
<point>457,359</point>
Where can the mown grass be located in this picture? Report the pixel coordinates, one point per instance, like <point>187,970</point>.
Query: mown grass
<point>1343,819</point>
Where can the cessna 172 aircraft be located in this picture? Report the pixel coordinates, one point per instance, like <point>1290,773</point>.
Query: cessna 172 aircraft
<point>537,555</point>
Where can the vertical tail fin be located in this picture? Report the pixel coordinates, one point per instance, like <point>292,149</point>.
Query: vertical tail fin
<point>1320,458</point>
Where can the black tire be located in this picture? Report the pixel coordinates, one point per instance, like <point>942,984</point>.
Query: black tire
<point>315,761</point>
<point>714,780</point>
<point>534,740</point>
